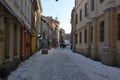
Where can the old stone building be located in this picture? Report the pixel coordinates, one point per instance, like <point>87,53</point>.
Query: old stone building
<point>46,33</point>
<point>15,32</point>
<point>62,36</point>
<point>36,10</point>
<point>38,25</point>
<point>97,29</point>
<point>50,32</point>
<point>73,33</point>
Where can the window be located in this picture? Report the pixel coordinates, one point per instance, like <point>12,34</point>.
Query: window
<point>76,19</point>
<point>15,38</point>
<point>22,6</point>
<point>76,38</point>
<point>80,14</point>
<point>91,34</point>
<point>43,35</point>
<point>80,37</point>
<point>86,13</point>
<point>85,36</point>
<point>118,28</point>
<point>101,1</point>
<point>92,5</point>
<point>25,7</point>
<point>102,31</point>
<point>7,36</point>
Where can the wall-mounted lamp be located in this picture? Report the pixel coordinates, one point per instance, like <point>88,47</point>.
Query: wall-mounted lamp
<point>39,36</point>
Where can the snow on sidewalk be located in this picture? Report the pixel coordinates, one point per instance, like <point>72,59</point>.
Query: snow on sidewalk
<point>63,64</point>
<point>95,70</point>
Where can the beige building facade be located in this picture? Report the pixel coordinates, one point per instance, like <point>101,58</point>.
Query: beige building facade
<point>97,30</point>
<point>14,15</point>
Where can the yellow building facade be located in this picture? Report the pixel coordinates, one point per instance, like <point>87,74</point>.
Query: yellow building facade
<point>37,10</point>
<point>33,42</point>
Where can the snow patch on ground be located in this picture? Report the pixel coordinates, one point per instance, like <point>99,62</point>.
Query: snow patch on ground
<point>95,69</point>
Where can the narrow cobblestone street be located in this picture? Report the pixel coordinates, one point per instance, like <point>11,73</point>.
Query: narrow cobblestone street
<point>61,64</point>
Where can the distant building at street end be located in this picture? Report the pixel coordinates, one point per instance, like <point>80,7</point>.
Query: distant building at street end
<point>62,36</point>
<point>67,36</point>
<point>49,32</point>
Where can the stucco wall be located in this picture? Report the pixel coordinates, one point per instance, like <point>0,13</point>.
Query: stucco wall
<point>22,9</point>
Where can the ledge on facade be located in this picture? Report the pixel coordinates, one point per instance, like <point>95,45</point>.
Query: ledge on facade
<point>106,48</point>
<point>108,9</point>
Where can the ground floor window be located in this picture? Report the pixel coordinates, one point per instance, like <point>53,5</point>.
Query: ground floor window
<point>80,37</point>
<point>15,39</point>
<point>7,35</point>
<point>91,34</point>
<point>101,36</point>
<point>118,27</point>
<point>85,36</point>
<point>76,38</point>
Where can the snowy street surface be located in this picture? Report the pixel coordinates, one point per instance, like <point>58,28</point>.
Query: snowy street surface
<point>63,64</point>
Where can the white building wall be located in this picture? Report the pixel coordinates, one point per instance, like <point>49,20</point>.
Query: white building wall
<point>21,9</point>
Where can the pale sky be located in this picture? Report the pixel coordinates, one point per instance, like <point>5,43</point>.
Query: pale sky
<point>62,9</point>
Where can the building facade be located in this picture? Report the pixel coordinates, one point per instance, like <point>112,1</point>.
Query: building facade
<point>49,31</point>
<point>62,36</point>
<point>55,32</point>
<point>36,10</point>
<point>46,32</point>
<point>97,30</point>
<point>15,31</point>
<point>72,21</point>
<point>38,27</point>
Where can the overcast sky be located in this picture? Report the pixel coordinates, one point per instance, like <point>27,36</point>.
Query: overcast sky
<point>61,9</point>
